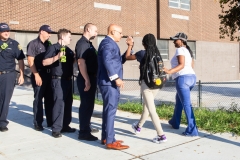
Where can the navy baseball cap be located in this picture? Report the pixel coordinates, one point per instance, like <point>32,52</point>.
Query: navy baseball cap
<point>46,28</point>
<point>4,27</point>
<point>181,36</point>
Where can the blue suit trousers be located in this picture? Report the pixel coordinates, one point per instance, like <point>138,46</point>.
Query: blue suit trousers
<point>110,95</point>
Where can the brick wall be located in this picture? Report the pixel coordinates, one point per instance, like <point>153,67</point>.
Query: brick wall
<point>203,23</point>
<point>134,16</point>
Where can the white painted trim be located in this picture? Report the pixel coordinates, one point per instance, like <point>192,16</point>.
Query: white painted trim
<point>107,6</point>
<point>13,22</point>
<point>180,16</point>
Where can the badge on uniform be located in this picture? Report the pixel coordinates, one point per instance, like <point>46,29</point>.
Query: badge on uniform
<point>63,59</point>
<point>49,43</point>
<point>4,46</point>
<point>19,47</point>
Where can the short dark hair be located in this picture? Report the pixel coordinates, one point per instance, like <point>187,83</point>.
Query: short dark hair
<point>87,26</point>
<point>62,32</point>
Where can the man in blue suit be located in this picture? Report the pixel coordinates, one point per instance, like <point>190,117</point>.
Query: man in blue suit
<point>110,75</point>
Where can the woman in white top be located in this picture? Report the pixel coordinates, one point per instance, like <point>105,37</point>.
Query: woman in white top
<point>185,78</point>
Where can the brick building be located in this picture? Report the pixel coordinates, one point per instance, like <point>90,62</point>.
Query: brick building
<point>215,59</point>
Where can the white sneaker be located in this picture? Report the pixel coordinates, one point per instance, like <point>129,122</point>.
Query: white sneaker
<point>135,128</point>
<point>160,139</point>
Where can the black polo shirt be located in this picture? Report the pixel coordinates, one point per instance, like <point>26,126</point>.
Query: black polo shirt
<point>36,48</point>
<point>63,69</point>
<point>85,50</point>
<point>7,56</point>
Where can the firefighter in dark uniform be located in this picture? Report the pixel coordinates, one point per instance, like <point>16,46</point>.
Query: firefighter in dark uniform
<point>61,59</point>
<point>40,77</point>
<point>86,56</point>
<point>9,51</point>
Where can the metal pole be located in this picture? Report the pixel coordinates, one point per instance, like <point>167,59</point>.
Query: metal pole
<point>73,84</point>
<point>199,93</point>
<point>97,93</point>
<point>141,97</point>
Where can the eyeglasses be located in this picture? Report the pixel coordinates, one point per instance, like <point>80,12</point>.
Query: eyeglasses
<point>118,32</point>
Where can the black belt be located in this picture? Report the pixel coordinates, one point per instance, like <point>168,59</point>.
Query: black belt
<point>60,77</point>
<point>5,72</point>
<point>44,70</point>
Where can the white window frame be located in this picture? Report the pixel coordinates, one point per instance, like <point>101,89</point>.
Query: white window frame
<point>99,39</point>
<point>164,49</point>
<point>24,38</point>
<point>179,4</point>
<point>193,49</point>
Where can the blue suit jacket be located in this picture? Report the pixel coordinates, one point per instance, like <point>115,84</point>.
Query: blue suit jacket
<point>109,62</point>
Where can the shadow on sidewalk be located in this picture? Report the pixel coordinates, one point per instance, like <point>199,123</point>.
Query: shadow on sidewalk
<point>22,114</point>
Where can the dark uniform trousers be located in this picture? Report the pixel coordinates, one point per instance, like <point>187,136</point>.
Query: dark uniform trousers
<point>7,83</point>
<point>110,95</point>
<point>62,109</point>
<point>87,103</point>
<point>40,92</point>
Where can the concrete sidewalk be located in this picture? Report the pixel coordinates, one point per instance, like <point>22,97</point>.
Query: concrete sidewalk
<point>22,142</point>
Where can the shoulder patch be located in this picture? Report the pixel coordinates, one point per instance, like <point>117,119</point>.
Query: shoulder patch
<point>19,47</point>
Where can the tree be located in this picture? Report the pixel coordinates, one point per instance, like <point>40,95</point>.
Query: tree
<point>230,19</point>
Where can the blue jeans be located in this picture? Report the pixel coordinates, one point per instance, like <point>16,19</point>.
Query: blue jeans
<point>184,85</point>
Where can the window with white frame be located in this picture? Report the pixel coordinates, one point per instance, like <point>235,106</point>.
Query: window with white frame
<point>192,46</point>
<point>181,4</point>
<point>24,38</point>
<point>99,39</point>
<point>163,48</point>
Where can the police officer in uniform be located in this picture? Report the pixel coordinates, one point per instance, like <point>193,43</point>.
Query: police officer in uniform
<point>40,77</point>
<point>86,56</point>
<point>61,59</point>
<point>9,51</point>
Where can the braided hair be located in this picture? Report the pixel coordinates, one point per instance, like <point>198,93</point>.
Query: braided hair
<point>151,50</point>
<point>189,49</point>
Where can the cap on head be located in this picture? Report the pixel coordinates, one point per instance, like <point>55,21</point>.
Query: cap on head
<point>46,28</point>
<point>181,36</point>
<point>4,27</point>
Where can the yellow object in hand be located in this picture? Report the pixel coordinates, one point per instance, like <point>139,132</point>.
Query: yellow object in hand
<point>63,59</point>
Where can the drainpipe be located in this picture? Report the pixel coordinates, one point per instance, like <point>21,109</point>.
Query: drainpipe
<point>158,18</point>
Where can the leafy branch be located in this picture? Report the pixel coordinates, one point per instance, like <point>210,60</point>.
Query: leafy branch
<point>230,19</point>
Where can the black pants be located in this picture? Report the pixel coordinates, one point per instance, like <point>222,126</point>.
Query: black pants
<point>40,92</point>
<point>62,108</point>
<point>7,83</point>
<point>87,103</point>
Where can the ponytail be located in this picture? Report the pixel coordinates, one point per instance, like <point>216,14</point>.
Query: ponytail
<point>189,49</point>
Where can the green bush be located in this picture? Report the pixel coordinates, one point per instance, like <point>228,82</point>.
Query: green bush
<point>214,121</point>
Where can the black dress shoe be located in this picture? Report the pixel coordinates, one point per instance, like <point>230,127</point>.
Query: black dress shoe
<point>88,137</point>
<point>68,129</point>
<point>56,134</point>
<point>38,128</point>
<point>3,129</point>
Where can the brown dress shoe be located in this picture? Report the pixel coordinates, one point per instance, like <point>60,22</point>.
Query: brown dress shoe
<point>103,142</point>
<point>116,146</point>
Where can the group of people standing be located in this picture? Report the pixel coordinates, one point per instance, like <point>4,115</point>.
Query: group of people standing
<point>52,69</point>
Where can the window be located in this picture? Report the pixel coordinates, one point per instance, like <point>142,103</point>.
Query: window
<point>181,4</point>
<point>192,45</point>
<point>99,39</point>
<point>24,38</point>
<point>163,48</point>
